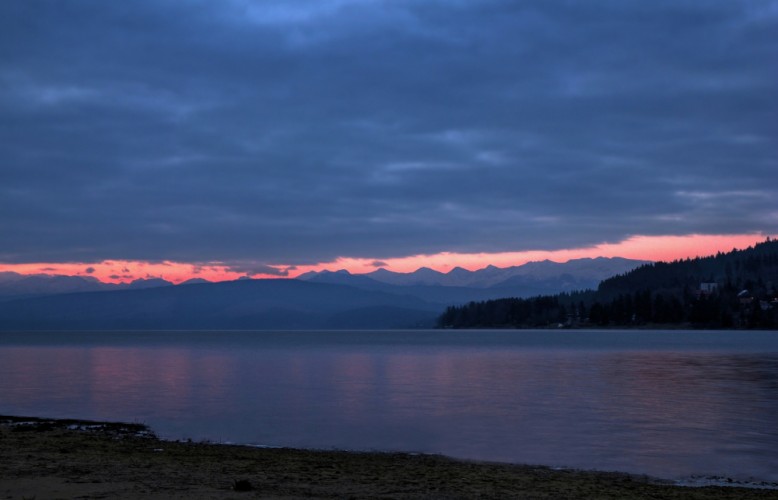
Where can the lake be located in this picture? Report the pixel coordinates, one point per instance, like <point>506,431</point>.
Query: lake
<point>671,404</point>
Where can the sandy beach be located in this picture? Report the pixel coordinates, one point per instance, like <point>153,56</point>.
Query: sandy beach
<point>50,459</point>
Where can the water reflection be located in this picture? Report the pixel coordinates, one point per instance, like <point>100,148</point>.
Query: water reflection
<point>664,412</point>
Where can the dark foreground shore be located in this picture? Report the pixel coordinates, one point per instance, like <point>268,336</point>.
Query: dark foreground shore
<point>46,459</point>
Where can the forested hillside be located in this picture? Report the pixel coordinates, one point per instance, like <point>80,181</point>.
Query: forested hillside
<point>726,290</point>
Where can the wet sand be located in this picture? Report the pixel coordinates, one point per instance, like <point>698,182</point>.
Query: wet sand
<point>48,459</point>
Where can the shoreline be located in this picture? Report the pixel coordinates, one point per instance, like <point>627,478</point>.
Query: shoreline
<point>66,458</point>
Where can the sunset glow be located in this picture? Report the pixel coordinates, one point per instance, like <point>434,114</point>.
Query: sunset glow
<point>655,248</point>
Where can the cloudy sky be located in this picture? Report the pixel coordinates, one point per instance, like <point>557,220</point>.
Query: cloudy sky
<point>289,133</point>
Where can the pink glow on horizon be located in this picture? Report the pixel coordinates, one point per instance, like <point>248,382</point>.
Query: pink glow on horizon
<point>125,271</point>
<point>656,248</point>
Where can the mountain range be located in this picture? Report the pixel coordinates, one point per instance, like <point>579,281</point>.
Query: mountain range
<point>381,299</point>
<point>16,286</point>
<point>460,285</point>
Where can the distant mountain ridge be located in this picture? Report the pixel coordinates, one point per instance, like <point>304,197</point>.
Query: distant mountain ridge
<point>240,304</point>
<point>318,301</point>
<point>15,285</point>
<point>575,274</point>
<point>526,280</point>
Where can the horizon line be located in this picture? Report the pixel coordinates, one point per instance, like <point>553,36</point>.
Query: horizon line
<point>640,247</point>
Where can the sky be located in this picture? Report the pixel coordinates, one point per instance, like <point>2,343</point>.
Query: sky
<point>267,138</point>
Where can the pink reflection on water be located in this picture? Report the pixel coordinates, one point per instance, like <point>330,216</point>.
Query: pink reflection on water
<point>112,382</point>
<point>35,373</point>
<point>120,377</point>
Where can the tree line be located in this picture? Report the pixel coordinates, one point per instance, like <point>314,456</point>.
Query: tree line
<point>727,290</point>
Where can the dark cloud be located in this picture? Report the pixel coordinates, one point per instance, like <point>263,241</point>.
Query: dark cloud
<point>89,270</point>
<point>296,132</point>
<point>253,269</point>
<point>378,263</point>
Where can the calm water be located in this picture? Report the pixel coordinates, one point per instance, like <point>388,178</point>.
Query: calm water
<point>669,404</point>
